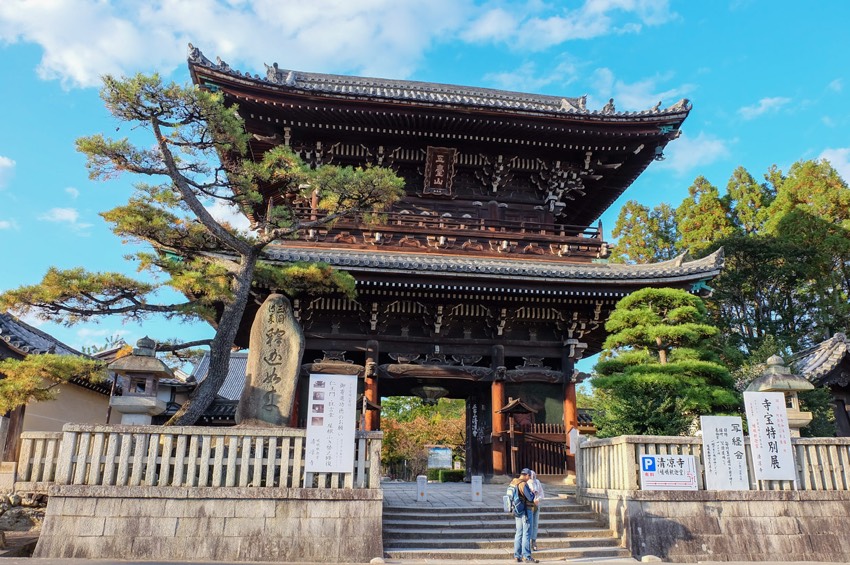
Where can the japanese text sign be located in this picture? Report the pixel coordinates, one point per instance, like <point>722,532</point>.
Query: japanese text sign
<point>668,472</point>
<point>724,453</point>
<point>331,417</point>
<point>770,438</point>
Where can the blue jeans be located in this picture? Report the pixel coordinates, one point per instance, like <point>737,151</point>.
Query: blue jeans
<point>535,518</point>
<point>522,538</point>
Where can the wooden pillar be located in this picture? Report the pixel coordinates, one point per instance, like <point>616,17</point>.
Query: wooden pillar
<point>370,387</point>
<point>572,352</point>
<point>497,392</point>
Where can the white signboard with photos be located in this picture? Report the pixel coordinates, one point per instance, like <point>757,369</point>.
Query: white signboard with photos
<point>331,418</point>
<point>724,453</point>
<point>770,437</point>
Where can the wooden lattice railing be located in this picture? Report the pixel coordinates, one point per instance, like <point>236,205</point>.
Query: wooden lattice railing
<point>613,463</point>
<point>187,457</point>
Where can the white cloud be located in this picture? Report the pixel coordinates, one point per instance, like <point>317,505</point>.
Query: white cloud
<point>68,216</point>
<point>764,106</point>
<point>492,25</point>
<point>84,39</point>
<point>836,86</point>
<point>685,154</point>
<point>840,161</point>
<point>8,225</point>
<point>73,192</point>
<point>528,78</point>
<point>225,213</point>
<point>7,169</point>
<point>595,18</point>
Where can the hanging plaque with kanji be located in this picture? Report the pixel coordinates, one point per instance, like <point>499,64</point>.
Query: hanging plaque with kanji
<point>439,170</point>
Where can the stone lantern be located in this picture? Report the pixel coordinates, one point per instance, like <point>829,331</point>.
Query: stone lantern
<point>777,378</point>
<point>139,374</point>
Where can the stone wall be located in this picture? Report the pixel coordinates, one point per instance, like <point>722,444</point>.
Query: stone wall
<point>212,524</point>
<point>728,525</point>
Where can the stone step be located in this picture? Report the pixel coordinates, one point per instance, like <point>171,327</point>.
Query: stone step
<point>466,514</point>
<point>584,553</point>
<point>451,525</point>
<point>590,529</point>
<point>603,539</point>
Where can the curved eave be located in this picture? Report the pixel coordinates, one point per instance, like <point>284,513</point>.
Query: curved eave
<point>460,271</point>
<point>24,339</point>
<point>401,92</point>
<point>817,362</point>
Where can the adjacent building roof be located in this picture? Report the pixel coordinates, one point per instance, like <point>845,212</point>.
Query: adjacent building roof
<point>27,340</point>
<point>233,384</point>
<point>24,340</point>
<point>821,363</point>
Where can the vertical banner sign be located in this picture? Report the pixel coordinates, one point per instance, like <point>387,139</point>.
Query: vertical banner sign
<point>439,170</point>
<point>668,472</point>
<point>770,438</point>
<point>724,453</point>
<point>331,416</point>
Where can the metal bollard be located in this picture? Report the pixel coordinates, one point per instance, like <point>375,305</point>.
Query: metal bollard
<point>421,483</point>
<point>477,490</point>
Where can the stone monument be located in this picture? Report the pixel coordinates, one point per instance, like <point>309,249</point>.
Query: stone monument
<point>274,362</point>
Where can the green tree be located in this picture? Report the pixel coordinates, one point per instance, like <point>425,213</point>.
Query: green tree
<point>644,235</point>
<point>748,201</point>
<point>38,377</point>
<point>702,217</point>
<point>198,154</point>
<point>658,370</point>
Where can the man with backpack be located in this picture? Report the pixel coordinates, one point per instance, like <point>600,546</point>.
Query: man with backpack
<point>522,504</point>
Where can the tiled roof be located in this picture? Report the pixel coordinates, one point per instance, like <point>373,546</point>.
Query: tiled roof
<point>428,92</point>
<point>817,362</point>
<point>235,380</point>
<point>675,270</point>
<point>27,340</point>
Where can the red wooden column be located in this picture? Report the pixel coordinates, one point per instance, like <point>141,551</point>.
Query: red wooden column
<point>370,389</point>
<point>572,353</point>
<point>497,396</point>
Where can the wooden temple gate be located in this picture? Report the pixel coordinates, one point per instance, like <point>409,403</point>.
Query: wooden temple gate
<point>488,280</point>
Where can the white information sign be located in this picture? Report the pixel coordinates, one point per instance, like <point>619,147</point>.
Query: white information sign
<point>668,472</point>
<point>770,438</point>
<point>331,416</point>
<point>724,453</point>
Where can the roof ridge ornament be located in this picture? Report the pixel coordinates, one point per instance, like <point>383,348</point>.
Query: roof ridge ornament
<point>196,56</point>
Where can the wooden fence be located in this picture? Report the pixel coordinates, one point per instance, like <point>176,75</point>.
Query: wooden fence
<point>186,456</point>
<point>614,463</point>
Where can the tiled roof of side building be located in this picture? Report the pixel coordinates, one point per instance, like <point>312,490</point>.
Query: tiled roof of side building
<point>27,340</point>
<point>817,362</point>
<point>233,384</point>
<point>429,92</point>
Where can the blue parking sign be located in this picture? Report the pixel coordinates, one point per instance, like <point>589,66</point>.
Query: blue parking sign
<point>647,463</point>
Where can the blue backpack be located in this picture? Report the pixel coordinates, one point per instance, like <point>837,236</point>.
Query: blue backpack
<point>514,501</point>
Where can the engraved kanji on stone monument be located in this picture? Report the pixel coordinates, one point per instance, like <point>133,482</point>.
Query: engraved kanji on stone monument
<point>274,361</point>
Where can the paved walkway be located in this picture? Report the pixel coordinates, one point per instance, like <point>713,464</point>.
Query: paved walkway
<point>442,495</point>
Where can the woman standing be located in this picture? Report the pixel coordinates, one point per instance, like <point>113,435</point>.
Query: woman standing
<point>537,488</point>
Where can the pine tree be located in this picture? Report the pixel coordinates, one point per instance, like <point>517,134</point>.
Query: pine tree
<point>658,371</point>
<point>198,154</point>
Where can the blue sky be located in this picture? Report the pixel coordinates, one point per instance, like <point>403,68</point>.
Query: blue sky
<point>768,80</point>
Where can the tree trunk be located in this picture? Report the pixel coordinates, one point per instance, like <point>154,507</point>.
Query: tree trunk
<point>662,353</point>
<point>220,348</point>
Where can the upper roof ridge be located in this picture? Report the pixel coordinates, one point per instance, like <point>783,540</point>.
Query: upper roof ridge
<point>397,89</point>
